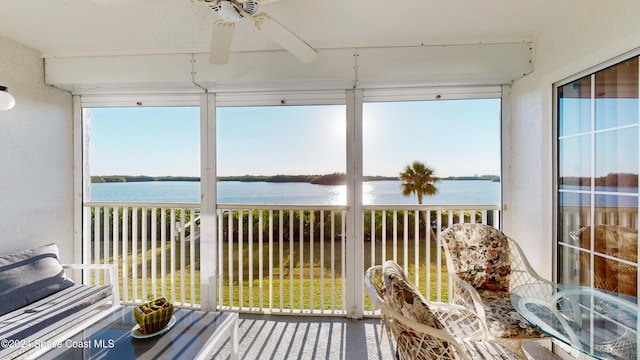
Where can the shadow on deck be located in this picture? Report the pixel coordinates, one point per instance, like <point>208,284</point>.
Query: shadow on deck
<point>290,337</point>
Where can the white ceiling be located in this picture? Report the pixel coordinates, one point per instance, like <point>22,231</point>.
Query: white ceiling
<point>62,28</point>
<point>148,46</point>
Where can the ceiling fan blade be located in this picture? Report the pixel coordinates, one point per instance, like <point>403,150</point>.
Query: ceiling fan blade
<point>221,36</point>
<point>283,36</point>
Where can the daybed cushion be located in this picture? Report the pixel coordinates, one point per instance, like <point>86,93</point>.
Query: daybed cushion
<point>30,275</point>
<point>65,305</point>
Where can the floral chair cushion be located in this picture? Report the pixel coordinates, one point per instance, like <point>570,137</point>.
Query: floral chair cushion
<point>403,297</point>
<point>503,321</point>
<point>480,255</point>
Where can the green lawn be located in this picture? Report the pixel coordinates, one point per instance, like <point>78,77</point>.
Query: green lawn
<point>295,270</point>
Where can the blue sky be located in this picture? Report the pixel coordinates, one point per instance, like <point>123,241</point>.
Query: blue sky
<point>455,137</point>
<point>145,141</point>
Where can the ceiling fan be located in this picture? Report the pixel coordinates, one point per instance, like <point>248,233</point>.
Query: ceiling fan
<point>232,11</point>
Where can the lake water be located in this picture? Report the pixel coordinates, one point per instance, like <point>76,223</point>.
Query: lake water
<point>450,192</point>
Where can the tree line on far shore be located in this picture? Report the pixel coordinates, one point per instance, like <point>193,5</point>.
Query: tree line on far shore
<point>140,178</point>
<point>327,179</point>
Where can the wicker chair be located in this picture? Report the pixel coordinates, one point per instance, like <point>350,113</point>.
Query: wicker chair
<point>426,330</point>
<point>484,265</point>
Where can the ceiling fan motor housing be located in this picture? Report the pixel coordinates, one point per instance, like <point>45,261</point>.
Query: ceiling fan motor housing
<point>228,9</point>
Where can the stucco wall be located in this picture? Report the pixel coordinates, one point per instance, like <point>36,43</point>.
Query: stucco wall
<point>596,33</point>
<point>36,158</point>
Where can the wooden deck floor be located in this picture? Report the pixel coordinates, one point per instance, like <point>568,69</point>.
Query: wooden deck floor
<point>301,337</point>
<point>289,337</point>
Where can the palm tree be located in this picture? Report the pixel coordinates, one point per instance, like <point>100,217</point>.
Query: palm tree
<point>419,179</point>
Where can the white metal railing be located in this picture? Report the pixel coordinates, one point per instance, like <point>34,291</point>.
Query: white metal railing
<point>394,234</point>
<point>154,245</point>
<point>271,258</point>
<point>292,258</point>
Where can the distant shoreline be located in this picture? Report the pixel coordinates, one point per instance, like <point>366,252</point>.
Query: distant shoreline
<point>328,179</point>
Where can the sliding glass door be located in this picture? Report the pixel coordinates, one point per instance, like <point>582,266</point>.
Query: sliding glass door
<point>597,183</point>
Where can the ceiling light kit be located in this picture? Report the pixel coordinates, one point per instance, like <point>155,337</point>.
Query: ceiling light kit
<point>7,101</point>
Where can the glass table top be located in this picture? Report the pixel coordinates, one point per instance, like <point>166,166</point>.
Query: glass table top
<point>111,337</point>
<point>600,323</point>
